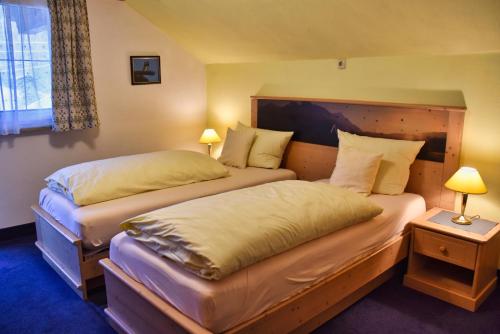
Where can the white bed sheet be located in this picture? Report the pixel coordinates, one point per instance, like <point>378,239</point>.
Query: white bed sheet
<point>96,224</point>
<point>220,305</point>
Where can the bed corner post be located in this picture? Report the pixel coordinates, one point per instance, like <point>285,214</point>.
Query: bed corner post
<point>254,106</point>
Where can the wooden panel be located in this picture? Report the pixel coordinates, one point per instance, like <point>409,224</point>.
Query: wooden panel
<point>313,161</point>
<point>487,262</point>
<point>253,113</point>
<point>425,179</point>
<point>457,251</point>
<point>64,252</point>
<point>441,288</point>
<point>318,122</point>
<point>77,286</point>
<point>297,311</point>
<point>397,123</point>
<point>452,156</point>
<point>356,102</point>
<point>90,266</point>
<point>56,247</point>
<point>441,274</point>
<point>337,308</point>
<point>42,216</point>
<point>446,294</point>
<point>135,309</point>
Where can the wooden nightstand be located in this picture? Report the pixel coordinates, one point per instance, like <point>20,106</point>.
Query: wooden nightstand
<point>455,263</point>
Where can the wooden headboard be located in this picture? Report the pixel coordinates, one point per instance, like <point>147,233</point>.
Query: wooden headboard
<point>313,150</point>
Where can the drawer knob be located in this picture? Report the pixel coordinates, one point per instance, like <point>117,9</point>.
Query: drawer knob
<point>442,249</point>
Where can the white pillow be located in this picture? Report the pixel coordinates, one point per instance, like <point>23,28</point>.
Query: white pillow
<point>268,147</point>
<point>398,155</point>
<point>236,147</point>
<point>356,170</point>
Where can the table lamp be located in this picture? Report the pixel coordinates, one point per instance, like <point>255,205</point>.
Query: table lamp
<point>209,137</point>
<point>466,181</point>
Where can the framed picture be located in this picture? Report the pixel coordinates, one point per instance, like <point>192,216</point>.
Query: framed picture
<point>145,70</point>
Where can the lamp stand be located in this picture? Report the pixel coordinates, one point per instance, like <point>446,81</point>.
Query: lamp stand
<point>462,219</point>
<point>209,149</point>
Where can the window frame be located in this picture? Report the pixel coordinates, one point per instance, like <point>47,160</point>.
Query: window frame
<point>32,119</point>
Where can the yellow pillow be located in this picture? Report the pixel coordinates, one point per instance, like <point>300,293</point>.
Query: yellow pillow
<point>398,155</point>
<point>236,147</point>
<point>356,170</point>
<point>268,147</point>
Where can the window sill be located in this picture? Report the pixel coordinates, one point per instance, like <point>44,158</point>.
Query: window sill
<point>35,129</point>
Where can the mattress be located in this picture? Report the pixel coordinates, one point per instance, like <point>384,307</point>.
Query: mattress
<point>96,224</point>
<point>220,305</point>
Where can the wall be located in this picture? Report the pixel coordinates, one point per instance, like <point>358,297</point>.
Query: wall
<point>133,118</point>
<point>473,80</point>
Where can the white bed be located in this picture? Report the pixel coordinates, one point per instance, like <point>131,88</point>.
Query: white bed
<point>73,239</point>
<point>96,224</point>
<point>220,305</point>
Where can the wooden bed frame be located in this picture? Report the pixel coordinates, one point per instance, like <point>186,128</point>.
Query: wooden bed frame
<point>303,312</point>
<point>299,314</point>
<point>64,251</point>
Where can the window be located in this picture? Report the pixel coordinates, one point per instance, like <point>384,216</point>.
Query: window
<point>25,66</point>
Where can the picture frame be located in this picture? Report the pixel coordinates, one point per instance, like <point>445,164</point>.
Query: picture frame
<point>145,70</point>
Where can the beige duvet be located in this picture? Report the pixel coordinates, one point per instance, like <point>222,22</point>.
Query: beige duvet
<point>221,234</point>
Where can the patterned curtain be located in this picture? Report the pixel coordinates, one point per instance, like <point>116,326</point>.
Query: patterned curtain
<point>73,97</point>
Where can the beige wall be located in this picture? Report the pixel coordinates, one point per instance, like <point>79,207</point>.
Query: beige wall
<point>133,118</point>
<point>473,80</point>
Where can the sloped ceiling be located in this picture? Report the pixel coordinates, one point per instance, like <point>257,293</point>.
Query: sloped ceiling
<point>226,31</point>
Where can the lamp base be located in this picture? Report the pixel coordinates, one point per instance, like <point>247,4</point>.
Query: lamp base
<point>461,220</point>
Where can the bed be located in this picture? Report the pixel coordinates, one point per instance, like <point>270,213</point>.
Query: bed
<point>219,307</point>
<point>72,238</point>
<point>300,289</point>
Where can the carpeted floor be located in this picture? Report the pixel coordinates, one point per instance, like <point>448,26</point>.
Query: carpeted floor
<point>33,299</point>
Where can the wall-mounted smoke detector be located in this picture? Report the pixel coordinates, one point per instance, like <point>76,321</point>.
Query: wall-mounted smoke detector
<point>341,64</point>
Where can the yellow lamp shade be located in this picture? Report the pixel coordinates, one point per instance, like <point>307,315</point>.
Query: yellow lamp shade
<point>209,136</point>
<point>467,180</point>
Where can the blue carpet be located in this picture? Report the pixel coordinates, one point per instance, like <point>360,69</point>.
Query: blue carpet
<point>33,299</point>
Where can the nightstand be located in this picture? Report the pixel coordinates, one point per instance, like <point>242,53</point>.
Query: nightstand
<point>455,263</point>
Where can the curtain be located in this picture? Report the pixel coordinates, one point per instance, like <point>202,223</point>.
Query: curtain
<point>73,96</point>
<point>25,74</point>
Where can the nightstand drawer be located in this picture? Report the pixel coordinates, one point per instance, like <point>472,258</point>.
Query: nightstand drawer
<point>445,248</point>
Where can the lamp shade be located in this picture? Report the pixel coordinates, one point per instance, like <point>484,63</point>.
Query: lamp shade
<point>209,136</point>
<point>467,180</point>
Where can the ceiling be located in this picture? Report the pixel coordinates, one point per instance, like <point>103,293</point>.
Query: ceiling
<point>228,31</point>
